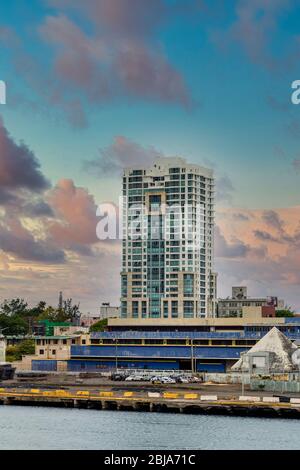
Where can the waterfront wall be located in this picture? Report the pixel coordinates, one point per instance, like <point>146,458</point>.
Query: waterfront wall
<point>167,401</point>
<point>278,386</point>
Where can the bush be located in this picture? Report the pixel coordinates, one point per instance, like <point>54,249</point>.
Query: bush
<point>24,348</point>
<point>99,326</point>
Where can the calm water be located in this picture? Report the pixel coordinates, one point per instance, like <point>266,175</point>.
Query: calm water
<point>55,428</point>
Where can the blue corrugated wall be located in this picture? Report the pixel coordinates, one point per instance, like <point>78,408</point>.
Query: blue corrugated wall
<point>153,352</point>
<point>211,367</point>
<point>44,365</point>
<point>77,365</point>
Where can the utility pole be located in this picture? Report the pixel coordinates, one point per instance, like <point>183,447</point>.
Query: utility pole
<point>243,385</point>
<point>116,352</point>
<point>60,301</point>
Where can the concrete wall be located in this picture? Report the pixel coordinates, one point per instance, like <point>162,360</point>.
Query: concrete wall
<point>24,364</point>
<point>233,378</point>
<point>275,385</point>
<point>252,315</point>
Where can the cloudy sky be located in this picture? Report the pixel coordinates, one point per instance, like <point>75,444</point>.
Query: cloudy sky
<point>97,85</point>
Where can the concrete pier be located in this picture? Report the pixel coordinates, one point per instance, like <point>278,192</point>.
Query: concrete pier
<point>144,401</point>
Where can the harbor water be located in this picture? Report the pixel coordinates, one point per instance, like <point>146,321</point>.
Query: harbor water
<point>57,428</point>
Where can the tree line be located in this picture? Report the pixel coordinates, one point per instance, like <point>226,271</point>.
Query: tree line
<point>17,318</point>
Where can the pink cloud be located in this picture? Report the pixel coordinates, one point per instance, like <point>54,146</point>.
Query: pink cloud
<point>75,210</point>
<point>125,18</point>
<point>122,153</point>
<point>116,55</point>
<point>121,56</point>
<point>255,21</point>
<point>260,249</point>
<point>148,74</point>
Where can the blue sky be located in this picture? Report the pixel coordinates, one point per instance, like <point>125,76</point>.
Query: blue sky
<point>231,124</point>
<point>221,91</point>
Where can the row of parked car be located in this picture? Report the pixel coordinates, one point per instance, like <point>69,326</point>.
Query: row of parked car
<point>156,379</point>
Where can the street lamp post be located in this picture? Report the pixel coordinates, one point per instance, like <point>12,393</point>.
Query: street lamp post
<point>116,353</point>
<point>192,354</point>
<point>243,384</point>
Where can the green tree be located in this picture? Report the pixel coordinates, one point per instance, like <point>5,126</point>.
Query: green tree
<point>285,312</point>
<point>71,311</point>
<point>99,326</point>
<point>16,318</point>
<point>38,310</point>
<point>14,307</point>
<point>13,325</point>
<point>49,313</point>
<point>24,348</point>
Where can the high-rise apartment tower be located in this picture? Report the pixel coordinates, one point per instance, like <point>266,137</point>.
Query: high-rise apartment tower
<point>168,233</point>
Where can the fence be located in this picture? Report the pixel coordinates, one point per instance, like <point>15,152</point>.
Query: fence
<point>277,382</point>
<point>173,335</point>
<point>292,334</point>
<point>230,378</point>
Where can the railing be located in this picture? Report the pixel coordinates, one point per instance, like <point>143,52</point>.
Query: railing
<point>184,335</point>
<point>154,372</point>
<point>173,335</point>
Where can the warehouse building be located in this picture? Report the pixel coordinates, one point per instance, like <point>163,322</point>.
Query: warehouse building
<point>208,344</point>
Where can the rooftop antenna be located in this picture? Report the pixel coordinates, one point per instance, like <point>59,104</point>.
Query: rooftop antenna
<point>60,301</point>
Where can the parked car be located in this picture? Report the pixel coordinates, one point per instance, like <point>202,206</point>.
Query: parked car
<point>182,380</point>
<point>145,378</point>
<point>156,380</point>
<point>167,380</point>
<point>195,379</point>
<point>118,376</point>
<point>134,378</point>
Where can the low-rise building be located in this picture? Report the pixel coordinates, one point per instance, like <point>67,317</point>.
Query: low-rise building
<point>46,327</point>
<point>233,306</point>
<point>52,352</point>
<point>106,311</point>
<point>109,311</point>
<point>272,354</point>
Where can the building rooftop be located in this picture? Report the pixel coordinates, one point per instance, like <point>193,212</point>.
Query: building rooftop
<point>58,336</point>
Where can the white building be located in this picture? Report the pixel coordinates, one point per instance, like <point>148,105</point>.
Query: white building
<point>273,353</point>
<point>106,311</point>
<point>168,233</point>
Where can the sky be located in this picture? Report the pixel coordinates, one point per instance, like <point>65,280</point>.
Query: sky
<point>97,85</point>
